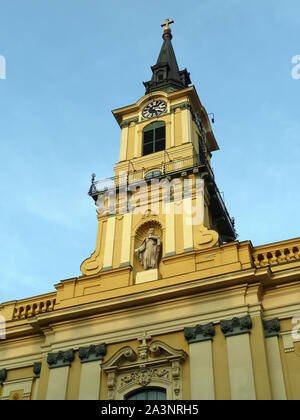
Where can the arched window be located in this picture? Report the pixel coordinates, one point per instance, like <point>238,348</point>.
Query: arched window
<point>148,394</point>
<point>154,138</point>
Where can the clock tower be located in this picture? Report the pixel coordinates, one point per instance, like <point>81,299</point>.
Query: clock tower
<point>169,305</point>
<point>162,178</point>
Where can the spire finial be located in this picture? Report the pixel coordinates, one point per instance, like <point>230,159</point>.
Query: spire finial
<point>166,24</point>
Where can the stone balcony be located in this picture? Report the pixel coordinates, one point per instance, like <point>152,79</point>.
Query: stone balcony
<point>277,253</point>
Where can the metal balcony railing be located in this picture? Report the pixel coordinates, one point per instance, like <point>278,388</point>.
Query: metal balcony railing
<point>163,169</point>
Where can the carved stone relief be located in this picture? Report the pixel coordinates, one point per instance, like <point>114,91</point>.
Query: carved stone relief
<point>156,364</point>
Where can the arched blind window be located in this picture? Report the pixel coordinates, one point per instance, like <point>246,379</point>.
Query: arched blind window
<point>154,138</point>
<point>148,394</point>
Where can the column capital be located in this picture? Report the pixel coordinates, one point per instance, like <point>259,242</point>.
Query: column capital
<point>271,327</point>
<point>37,369</point>
<point>3,376</point>
<point>199,333</point>
<point>92,353</point>
<point>60,359</point>
<point>236,326</point>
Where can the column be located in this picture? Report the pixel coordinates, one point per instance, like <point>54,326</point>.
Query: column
<point>124,141</point>
<point>241,375</point>
<point>59,364</point>
<point>109,243</point>
<point>126,240</point>
<point>187,220</point>
<point>170,229</point>
<point>201,361</point>
<point>172,142</point>
<point>137,139</point>
<point>272,329</point>
<point>186,123</point>
<point>37,371</point>
<point>90,379</point>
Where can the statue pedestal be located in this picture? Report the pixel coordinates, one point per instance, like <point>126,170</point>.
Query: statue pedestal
<point>148,275</point>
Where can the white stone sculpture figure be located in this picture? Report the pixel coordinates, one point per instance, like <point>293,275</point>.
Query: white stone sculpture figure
<point>149,251</point>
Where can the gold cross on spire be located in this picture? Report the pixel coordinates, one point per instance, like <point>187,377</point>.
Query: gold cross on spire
<point>166,24</point>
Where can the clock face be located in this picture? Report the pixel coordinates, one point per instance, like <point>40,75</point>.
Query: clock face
<point>154,109</point>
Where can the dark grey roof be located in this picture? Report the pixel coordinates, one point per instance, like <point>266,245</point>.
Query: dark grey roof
<point>166,74</point>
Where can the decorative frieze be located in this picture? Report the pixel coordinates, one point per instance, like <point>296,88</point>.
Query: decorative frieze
<point>60,359</point>
<point>236,326</point>
<point>199,333</point>
<point>271,328</point>
<point>92,353</point>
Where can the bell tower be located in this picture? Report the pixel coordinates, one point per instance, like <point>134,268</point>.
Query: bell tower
<point>163,185</point>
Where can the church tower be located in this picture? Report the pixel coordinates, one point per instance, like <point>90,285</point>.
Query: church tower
<point>169,305</point>
<point>163,177</point>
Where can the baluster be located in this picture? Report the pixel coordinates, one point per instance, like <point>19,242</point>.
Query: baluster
<point>282,256</point>
<point>290,254</point>
<point>296,252</point>
<point>265,260</point>
<point>16,313</point>
<point>28,310</point>
<point>273,258</point>
<point>256,261</point>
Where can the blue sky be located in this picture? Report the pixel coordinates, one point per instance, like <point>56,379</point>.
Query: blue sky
<point>69,63</point>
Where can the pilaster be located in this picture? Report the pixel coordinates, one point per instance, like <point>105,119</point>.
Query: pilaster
<point>201,361</point>
<point>271,329</point>
<point>91,371</point>
<point>59,364</point>
<point>240,364</point>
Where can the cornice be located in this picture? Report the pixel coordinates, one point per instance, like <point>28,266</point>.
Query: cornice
<point>138,296</point>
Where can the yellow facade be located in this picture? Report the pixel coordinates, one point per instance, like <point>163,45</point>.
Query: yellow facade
<point>219,321</point>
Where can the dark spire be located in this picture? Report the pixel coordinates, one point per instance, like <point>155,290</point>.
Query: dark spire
<point>166,74</point>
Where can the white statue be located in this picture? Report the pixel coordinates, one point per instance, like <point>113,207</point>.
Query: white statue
<point>149,251</point>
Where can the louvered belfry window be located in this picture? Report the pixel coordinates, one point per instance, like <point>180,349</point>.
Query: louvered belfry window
<point>154,138</point>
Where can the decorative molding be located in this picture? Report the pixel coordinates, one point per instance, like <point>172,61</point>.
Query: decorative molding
<point>156,364</point>
<point>92,353</point>
<point>191,249</point>
<point>236,326</point>
<point>206,238</point>
<point>288,343</point>
<point>60,359</point>
<point>125,264</point>
<point>3,376</point>
<point>17,389</point>
<point>199,333</point>
<point>126,123</point>
<point>271,327</point>
<point>107,268</point>
<point>37,366</point>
